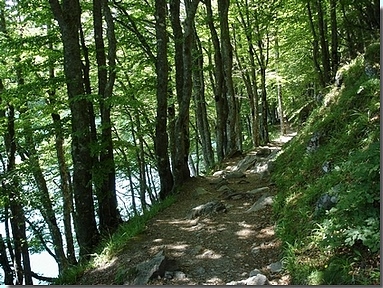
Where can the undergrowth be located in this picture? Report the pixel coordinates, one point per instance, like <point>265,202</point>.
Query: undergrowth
<point>340,245</point>
<point>114,244</point>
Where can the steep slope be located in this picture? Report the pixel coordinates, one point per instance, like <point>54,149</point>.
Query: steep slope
<point>328,180</point>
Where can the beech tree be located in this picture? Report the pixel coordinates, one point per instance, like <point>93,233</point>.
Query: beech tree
<point>68,15</point>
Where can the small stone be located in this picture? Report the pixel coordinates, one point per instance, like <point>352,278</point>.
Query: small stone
<point>255,272</point>
<point>259,279</point>
<point>235,174</point>
<point>255,250</point>
<point>275,267</point>
<point>219,173</point>
<point>179,275</point>
<point>168,275</point>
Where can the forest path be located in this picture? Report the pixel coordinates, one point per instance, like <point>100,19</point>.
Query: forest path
<point>212,249</point>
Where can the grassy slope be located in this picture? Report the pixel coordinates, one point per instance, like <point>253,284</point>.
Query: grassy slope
<point>341,245</point>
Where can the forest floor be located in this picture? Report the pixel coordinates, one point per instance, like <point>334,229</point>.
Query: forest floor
<point>208,250</point>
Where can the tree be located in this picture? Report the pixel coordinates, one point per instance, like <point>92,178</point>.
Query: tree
<point>67,15</point>
<point>227,60</point>
<point>161,140</point>
<point>181,170</point>
<point>218,86</point>
<point>106,184</point>
<point>200,103</point>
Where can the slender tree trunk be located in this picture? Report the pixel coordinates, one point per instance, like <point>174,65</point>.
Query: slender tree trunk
<point>162,70</point>
<point>334,38</point>
<point>140,158</point>
<point>20,256</point>
<point>250,78</point>
<point>220,100</point>
<point>46,208</point>
<point>21,262</point>
<point>317,66</point>
<point>227,59</point>
<point>8,273</point>
<point>65,189</point>
<point>68,16</point>
<point>64,174</point>
<point>107,200</point>
<point>279,91</point>
<point>181,170</point>
<point>200,104</point>
<point>264,125</point>
<point>324,43</point>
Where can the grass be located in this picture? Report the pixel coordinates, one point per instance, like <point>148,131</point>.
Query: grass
<point>114,244</point>
<point>344,242</point>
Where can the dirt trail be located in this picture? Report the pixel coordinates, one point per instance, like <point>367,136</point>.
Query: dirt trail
<point>214,249</point>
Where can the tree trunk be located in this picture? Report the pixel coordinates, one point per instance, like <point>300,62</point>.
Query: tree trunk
<point>250,78</point>
<point>317,66</point>
<point>8,273</point>
<point>279,91</point>
<point>181,170</point>
<point>264,125</point>
<point>162,70</point>
<point>220,100</point>
<point>46,208</point>
<point>21,261</point>
<point>334,38</point>
<point>66,193</point>
<point>200,104</point>
<point>107,200</point>
<point>324,44</point>
<point>227,59</point>
<point>68,17</point>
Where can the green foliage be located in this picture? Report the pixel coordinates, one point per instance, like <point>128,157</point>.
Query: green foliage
<point>71,275</point>
<point>329,247</point>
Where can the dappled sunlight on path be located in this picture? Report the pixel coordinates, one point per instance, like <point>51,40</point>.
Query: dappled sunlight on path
<point>211,249</point>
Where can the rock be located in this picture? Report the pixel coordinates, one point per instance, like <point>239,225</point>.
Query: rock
<point>207,209</point>
<point>221,183</point>
<point>255,251</point>
<point>339,78</point>
<point>179,275</point>
<point>243,181</point>
<point>157,266</point>
<point>258,279</point>
<point>200,191</point>
<point>255,272</point>
<point>261,203</point>
<point>313,143</point>
<point>246,163</point>
<point>275,267</point>
<point>225,189</point>
<point>325,202</point>
<point>219,173</point>
<point>327,166</point>
<point>258,190</point>
<point>263,152</point>
<point>235,174</point>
